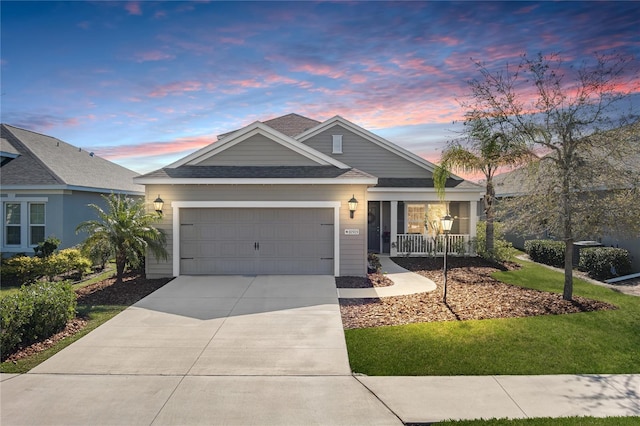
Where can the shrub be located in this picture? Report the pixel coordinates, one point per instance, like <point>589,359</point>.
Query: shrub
<point>47,247</point>
<point>35,313</point>
<point>605,262</point>
<point>27,269</point>
<point>548,252</point>
<point>502,249</point>
<point>374,262</point>
<point>99,252</point>
<point>67,261</point>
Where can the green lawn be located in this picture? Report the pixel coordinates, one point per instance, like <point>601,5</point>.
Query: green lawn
<point>566,421</point>
<point>586,343</point>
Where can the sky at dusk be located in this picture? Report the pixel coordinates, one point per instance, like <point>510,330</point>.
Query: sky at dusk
<point>144,83</point>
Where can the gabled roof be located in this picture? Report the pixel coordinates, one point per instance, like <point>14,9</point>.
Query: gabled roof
<point>290,125</point>
<point>401,152</point>
<point>47,162</point>
<point>251,130</point>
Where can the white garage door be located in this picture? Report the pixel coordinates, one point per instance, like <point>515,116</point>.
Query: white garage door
<point>253,241</point>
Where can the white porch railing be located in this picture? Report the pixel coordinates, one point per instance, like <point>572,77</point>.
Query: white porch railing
<point>426,245</point>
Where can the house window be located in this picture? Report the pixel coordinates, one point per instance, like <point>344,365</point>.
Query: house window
<point>337,144</point>
<point>36,223</point>
<point>24,223</point>
<point>415,218</point>
<point>13,228</point>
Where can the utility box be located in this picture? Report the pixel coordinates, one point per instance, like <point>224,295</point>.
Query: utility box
<point>578,245</point>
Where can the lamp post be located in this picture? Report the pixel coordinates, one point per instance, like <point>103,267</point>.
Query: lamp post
<point>447,223</point>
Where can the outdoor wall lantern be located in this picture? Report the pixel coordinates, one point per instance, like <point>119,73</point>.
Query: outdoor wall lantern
<point>353,205</point>
<point>158,204</point>
<point>447,224</point>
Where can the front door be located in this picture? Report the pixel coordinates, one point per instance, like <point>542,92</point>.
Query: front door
<point>373,226</point>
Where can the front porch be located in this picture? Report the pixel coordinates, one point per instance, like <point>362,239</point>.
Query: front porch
<point>412,228</point>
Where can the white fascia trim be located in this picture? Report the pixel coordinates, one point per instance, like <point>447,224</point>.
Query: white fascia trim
<point>177,205</point>
<point>69,188</point>
<point>257,181</point>
<point>390,146</point>
<point>422,196</point>
<point>251,130</point>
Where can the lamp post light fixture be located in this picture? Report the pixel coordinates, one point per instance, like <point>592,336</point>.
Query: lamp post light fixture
<point>353,205</point>
<point>158,203</point>
<point>447,224</point>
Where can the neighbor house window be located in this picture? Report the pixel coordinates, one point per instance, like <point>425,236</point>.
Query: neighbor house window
<point>337,144</point>
<point>415,218</point>
<point>36,223</point>
<point>13,224</point>
<point>24,223</point>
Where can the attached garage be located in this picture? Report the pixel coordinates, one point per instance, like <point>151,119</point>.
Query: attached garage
<point>257,241</point>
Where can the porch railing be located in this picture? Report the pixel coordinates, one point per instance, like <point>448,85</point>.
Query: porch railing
<point>425,245</point>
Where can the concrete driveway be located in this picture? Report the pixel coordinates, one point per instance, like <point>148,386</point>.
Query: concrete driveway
<point>206,350</point>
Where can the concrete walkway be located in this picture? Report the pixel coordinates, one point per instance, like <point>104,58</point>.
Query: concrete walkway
<point>405,282</point>
<point>266,351</point>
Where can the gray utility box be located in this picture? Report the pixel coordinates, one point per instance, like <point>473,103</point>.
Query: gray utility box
<point>578,245</point>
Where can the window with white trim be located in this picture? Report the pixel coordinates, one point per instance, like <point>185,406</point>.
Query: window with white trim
<point>24,223</point>
<point>415,218</point>
<point>337,144</point>
<point>13,224</point>
<point>36,223</point>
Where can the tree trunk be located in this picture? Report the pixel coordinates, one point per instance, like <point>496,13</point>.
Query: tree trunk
<point>121,263</point>
<point>567,293</point>
<point>488,210</point>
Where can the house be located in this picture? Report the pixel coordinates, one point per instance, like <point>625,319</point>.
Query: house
<point>514,184</point>
<point>293,195</point>
<point>46,185</point>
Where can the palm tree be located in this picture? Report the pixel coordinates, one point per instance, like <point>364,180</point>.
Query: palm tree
<point>486,152</point>
<point>127,230</point>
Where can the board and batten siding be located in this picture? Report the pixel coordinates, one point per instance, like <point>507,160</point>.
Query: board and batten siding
<point>353,248</point>
<point>258,150</point>
<point>365,155</point>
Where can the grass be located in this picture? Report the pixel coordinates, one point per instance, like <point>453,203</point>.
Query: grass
<point>604,342</point>
<point>563,421</point>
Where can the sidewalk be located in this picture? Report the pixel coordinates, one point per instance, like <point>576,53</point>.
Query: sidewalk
<point>57,399</point>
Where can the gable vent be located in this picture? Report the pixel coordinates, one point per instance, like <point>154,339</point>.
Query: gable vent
<point>337,144</point>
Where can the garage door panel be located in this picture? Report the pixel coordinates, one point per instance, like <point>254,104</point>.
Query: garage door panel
<point>225,241</point>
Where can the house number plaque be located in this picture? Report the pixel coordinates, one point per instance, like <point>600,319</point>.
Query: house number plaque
<point>348,231</point>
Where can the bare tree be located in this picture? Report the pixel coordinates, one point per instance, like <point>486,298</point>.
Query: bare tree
<point>580,121</point>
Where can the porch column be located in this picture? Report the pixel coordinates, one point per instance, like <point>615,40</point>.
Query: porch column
<point>473,218</point>
<point>394,228</point>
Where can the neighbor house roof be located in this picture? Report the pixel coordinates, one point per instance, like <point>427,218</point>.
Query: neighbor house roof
<point>45,161</point>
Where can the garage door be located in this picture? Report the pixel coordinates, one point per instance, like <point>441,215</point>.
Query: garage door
<point>253,241</point>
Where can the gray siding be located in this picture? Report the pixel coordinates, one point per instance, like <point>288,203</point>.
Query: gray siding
<point>258,150</point>
<point>353,251</point>
<point>365,155</point>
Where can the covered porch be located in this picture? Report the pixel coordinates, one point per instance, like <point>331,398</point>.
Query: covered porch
<point>410,225</point>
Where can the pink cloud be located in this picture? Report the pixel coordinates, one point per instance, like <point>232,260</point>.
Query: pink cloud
<point>175,88</point>
<point>153,55</point>
<point>154,148</point>
<point>133,8</point>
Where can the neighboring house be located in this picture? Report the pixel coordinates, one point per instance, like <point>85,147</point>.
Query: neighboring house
<point>511,184</point>
<point>273,198</point>
<point>46,185</point>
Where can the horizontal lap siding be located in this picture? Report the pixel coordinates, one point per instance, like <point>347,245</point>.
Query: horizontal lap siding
<point>352,247</point>
<point>365,155</point>
<point>258,150</point>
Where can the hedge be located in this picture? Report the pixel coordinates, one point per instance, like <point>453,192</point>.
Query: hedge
<point>603,263</point>
<point>548,252</point>
<point>31,269</point>
<point>34,313</point>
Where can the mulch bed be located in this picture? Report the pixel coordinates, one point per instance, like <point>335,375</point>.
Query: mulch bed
<point>471,294</point>
<point>133,288</point>
<point>371,280</point>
